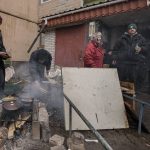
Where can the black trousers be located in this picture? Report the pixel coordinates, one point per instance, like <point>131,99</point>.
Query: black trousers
<point>2,77</point>
<point>131,72</point>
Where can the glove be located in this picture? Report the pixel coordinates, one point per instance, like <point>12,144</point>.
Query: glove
<point>137,49</point>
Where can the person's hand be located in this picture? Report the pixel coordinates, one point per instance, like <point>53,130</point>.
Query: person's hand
<point>114,62</point>
<point>4,55</point>
<point>110,53</point>
<point>137,49</point>
<point>47,72</point>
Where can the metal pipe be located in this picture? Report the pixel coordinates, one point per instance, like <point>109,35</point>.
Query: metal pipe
<point>142,104</point>
<point>84,9</point>
<point>36,38</point>
<point>135,99</point>
<point>7,13</point>
<point>70,125</point>
<point>70,120</point>
<point>96,133</point>
<point>140,118</point>
<point>42,29</point>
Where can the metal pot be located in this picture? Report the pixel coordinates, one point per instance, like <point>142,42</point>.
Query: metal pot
<point>11,105</point>
<point>27,102</point>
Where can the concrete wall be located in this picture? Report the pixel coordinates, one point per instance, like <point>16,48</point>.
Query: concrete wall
<point>19,26</point>
<point>56,6</point>
<point>23,8</point>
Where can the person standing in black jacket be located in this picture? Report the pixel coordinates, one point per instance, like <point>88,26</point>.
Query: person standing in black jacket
<point>3,55</point>
<point>130,58</point>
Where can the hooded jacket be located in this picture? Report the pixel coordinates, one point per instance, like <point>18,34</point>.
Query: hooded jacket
<point>94,55</point>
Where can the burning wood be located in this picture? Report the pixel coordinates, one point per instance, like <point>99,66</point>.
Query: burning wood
<point>16,125</point>
<point>3,136</point>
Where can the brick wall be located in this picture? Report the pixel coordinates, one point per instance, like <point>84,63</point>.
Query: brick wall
<point>49,44</point>
<point>56,6</point>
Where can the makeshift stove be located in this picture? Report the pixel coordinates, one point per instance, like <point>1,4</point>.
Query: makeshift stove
<point>15,112</point>
<point>19,110</point>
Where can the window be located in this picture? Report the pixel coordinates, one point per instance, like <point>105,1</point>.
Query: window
<point>44,1</point>
<point>91,28</point>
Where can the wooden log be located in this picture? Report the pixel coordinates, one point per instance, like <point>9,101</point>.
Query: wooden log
<point>15,125</point>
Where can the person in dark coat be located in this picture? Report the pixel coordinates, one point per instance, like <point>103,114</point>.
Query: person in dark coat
<point>148,64</point>
<point>39,60</point>
<point>3,55</point>
<point>130,58</point>
<point>94,52</point>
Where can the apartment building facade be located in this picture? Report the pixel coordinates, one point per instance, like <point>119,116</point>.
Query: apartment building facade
<point>69,25</point>
<point>19,28</point>
<point>69,30</point>
<point>53,7</point>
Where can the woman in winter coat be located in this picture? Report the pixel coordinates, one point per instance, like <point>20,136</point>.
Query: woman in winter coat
<point>94,52</point>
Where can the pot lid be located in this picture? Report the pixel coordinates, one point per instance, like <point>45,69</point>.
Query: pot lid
<point>9,98</point>
<point>11,105</point>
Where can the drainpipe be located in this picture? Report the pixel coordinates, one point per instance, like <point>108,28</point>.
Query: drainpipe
<point>41,30</point>
<point>84,9</point>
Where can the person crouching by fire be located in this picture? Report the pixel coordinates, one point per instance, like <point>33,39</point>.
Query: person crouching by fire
<point>39,60</point>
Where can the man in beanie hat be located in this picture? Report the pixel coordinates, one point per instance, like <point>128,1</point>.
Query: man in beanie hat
<point>3,55</point>
<point>132,25</point>
<point>131,55</point>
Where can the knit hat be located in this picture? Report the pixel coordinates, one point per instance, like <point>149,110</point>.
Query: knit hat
<point>132,25</point>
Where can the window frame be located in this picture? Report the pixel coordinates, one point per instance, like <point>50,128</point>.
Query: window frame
<point>42,2</point>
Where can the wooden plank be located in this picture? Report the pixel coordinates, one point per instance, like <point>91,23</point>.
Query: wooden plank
<point>35,122</point>
<point>44,121</point>
<point>97,94</point>
<point>35,130</point>
<point>127,87</point>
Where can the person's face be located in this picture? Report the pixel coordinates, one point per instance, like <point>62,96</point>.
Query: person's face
<point>98,37</point>
<point>132,31</point>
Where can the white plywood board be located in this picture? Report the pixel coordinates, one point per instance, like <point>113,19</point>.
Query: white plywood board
<point>97,94</point>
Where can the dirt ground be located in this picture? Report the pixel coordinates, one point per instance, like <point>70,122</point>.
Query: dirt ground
<point>120,139</point>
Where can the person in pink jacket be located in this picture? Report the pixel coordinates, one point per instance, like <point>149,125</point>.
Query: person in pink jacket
<point>94,52</point>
